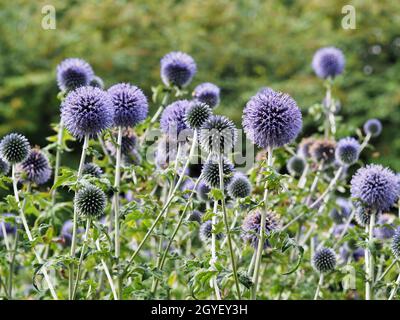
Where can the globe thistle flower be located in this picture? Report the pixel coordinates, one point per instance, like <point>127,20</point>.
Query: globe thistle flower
<point>342,212</point>
<point>396,244</point>
<point>87,111</point>
<point>10,227</point>
<point>90,201</point>
<point>328,62</point>
<point>92,169</point>
<point>14,148</point>
<point>304,147</point>
<point>375,186</point>
<point>324,260</point>
<point>194,169</point>
<point>66,232</point>
<point>129,104</point>
<point>187,185</point>
<point>207,93</point>
<point>240,186</point>
<point>4,167</point>
<point>218,135</point>
<point>251,227</point>
<point>128,142</point>
<point>362,215</point>
<point>73,73</point>
<point>97,82</point>
<point>373,127</point>
<point>271,119</point>
<point>172,120</point>
<point>296,166</point>
<point>196,114</point>
<point>384,227</point>
<point>347,151</point>
<point>37,167</point>
<point>177,69</point>
<point>206,232</point>
<point>203,191</point>
<point>211,172</point>
<point>323,150</point>
<point>195,216</point>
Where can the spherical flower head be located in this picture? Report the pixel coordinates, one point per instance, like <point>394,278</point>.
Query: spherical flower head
<point>203,191</point>
<point>328,62</point>
<point>304,147</point>
<point>343,210</point>
<point>218,135</point>
<point>97,82</point>
<point>90,201</point>
<point>296,165</point>
<point>14,148</point>
<point>211,172</point>
<point>324,260</point>
<point>323,150</point>
<point>396,244</point>
<point>251,227</point>
<point>207,93</point>
<point>362,215</point>
<point>128,142</point>
<point>10,227</point>
<point>271,119</point>
<point>87,111</point>
<point>347,151</point>
<point>172,121</point>
<point>177,69</point>
<point>375,186</point>
<point>373,127</point>
<point>4,167</point>
<point>240,186</point>
<point>206,232</point>
<point>66,232</point>
<point>92,169</point>
<point>195,216</point>
<point>37,167</point>
<point>129,104</point>
<point>196,114</point>
<point>186,186</point>
<point>73,73</point>
<point>384,227</point>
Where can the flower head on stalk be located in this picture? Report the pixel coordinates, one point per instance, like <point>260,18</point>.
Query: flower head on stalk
<point>177,69</point>
<point>207,93</point>
<point>328,62</point>
<point>173,118</point>
<point>14,148</point>
<point>373,127</point>
<point>211,172</point>
<point>37,167</point>
<point>73,73</point>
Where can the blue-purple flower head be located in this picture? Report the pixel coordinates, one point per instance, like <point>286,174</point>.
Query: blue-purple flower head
<point>207,93</point>
<point>203,191</point>
<point>304,147</point>
<point>14,148</point>
<point>271,119</point>
<point>73,73</point>
<point>4,167</point>
<point>375,187</point>
<point>347,151</point>
<point>129,105</point>
<point>37,167</point>
<point>172,120</point>
<point>328,62</point>
<point>97,82</point>
<point>373,127</point>
<point>324,260</point>
<point>296,165</point>
<point>177,69</point>
<point>87,111</point>
<point>186,186</point>
<point>206,231</point>
<point>396,244</point>
<point>239,186</point>
<point>210,172</point>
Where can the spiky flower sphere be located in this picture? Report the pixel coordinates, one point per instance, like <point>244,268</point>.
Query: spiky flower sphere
<point>195,216</point>
<point>10,227</point>
<point>203,191</point>
<point>375,186</point>
<point>396,244</point>
<point>323,150</point>
<point>37,167</point>
<point>324,260</point>
<point>130,105</point>
<point>172,121</point>
<point>384,227</point>
<point>128,142</point>
<point>328,62</point>
<point>97,82</point>
<point>347,151</point>
<point>251,227</point>
<point>90,201</point>
<point>218,135</point>
<point>304,147</point>
<point>343,210</point>
<point>211,172</point>
<point>186,186</point>
<point>206,232</point>
<point>177,69</point>
<point>197,114</point>
<point>14,148</point>
<point>73,73</point>
<point>271,119</point>
<point>296,165</point>
<point>4,167</point>
<point>207,93</point>
<point>87,111</point>
<point>373,127</point>
<point>92,169</point>
<point>362,215</point>
<point>239,187</point>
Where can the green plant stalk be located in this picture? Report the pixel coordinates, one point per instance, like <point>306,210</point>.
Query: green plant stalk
<point>328,105</point>
<point>261,241</point>
<point>320,284</point>
<point>228,231</point>
<point>107,272</point>
<point>60,136</point>
<point>394,290</point>
<point>370,263</point>
<point>214,250</point>
<point>75,219</point>
<point>383,275</point>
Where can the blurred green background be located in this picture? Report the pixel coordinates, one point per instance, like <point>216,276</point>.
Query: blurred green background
<point>239,45</point>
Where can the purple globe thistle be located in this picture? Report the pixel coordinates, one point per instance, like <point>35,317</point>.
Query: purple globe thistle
<point>343,210</point>
<point>10,227</point>
<point>324,260</point>
<point>251,227</point>
<point>211,172</point>
<point>240,186</point>
<point>373,127</point>
<point>347,151</point>
<point>92,169</point>
<point>375,186</point>
<point>128,142</point>
<point>177,69</point>
<point>172,120</point>
<point>384,227</point>
<point>66,232</point>
<point>328,62</point>
<point>4,167</point>
<point>271,119</point>
<point>362,215</point>
<point>206,232</point>
<point>37,167</point>
<point>90,201</point>
<point>323,150</point>
<point>207,93</point>
<point>296,165</point>
<point>187,185</point>
<point>129,104</point>
<point>14,148</point>
<point>203,191</point>
<point>97,82</point>
<point>87,111</point>
<point>73,73</point>
<point>197,114</point>
<point>396,244</point>
<point>304,147</point>
<point>195,216</point>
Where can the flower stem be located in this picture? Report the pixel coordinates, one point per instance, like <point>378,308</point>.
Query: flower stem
<point>214,250</point>
<point>320,284</point>
<point>383,275</point>
<point>58,160</point>
<point>107,272</point>
<point>370,263</point>
<point>394,290</point>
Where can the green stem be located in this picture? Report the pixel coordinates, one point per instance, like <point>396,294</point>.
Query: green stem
<point>58,160</point>
<point>370,269</point>
<point>320,283</point>
<point>214,249</point>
